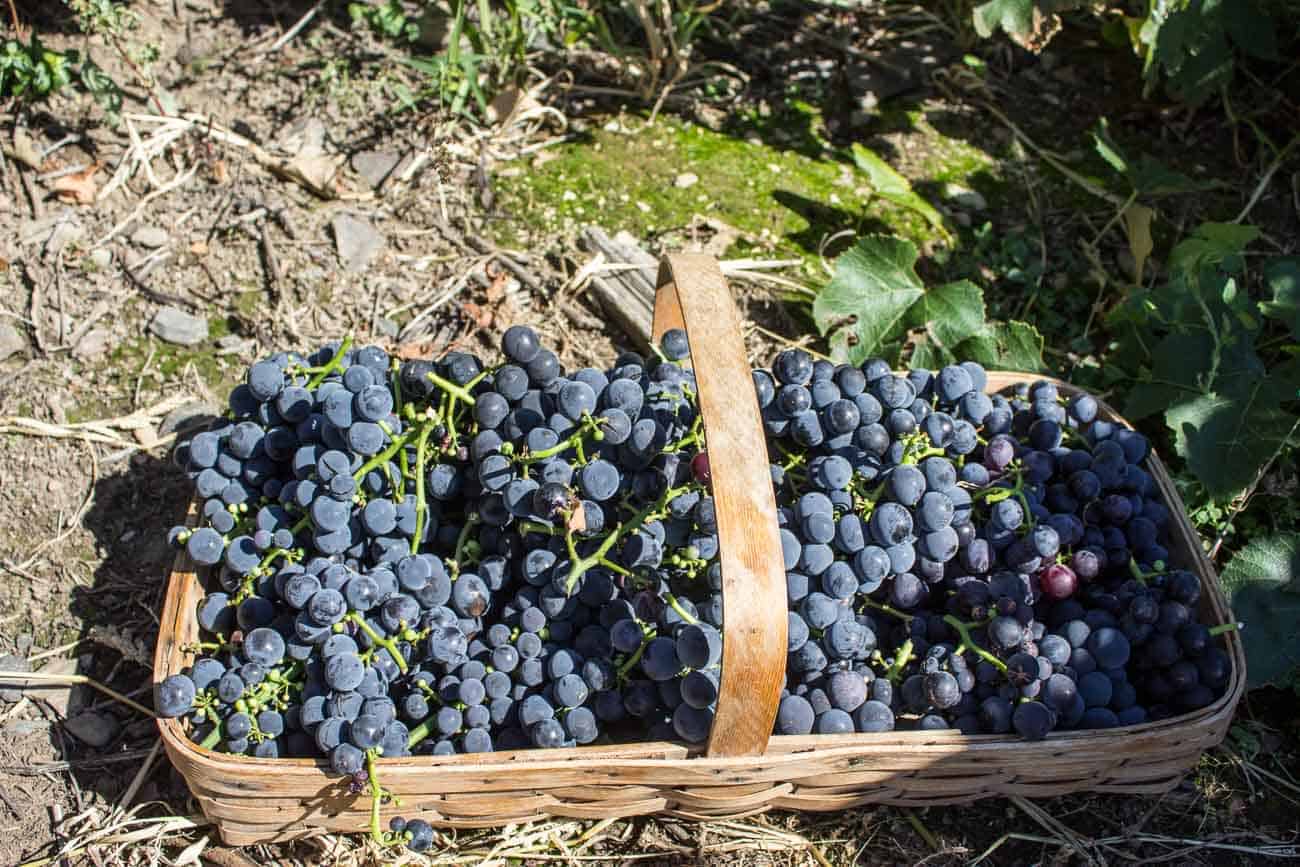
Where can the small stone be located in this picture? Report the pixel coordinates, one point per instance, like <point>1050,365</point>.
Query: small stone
<point>357,242</point>
<point>11,341</point>
<point>230,341</point>
<point>387,327</point>
<point>9,662</point>
<point>177,326</point>
<point>686,180</point>
<point>53,233</point>
<point>101,257</point>
<point>962,197</point>
<point>193,414</point>
<point>93,728</point>
<point>93,344</point>
<point>375,167</point>
<point>150,236</point>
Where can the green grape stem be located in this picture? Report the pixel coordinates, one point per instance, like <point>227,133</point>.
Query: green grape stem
<point>580,565</point>
<point>677,606</point>
<point>462,540</point>
<point>901,659</point>
<point>1223,628</point>
<point>332,365</point>
<point>213,737</point>
<point>968,643</point>
<point>695,436</point>
<point>636,656</point>
<point>378,640</point>
<point>589,427</point>
<point>425,728</point>
<point>250,580</point>
<point>421,506</point>
<point>887,609</point>
<point>377,795</point>
<point>457,392</point>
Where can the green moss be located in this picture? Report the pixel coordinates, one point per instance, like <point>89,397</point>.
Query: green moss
<point>113,379</point>
<point>785,197</point>
<point>773,177</point>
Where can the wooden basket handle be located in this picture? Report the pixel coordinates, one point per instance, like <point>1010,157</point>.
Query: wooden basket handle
<point>692,294</point>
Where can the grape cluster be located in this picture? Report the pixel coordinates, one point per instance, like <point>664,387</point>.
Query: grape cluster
<point>438,557</point>
<point>960,560</point>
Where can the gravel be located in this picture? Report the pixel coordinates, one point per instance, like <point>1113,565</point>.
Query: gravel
<point>93,728</point>
<point>357,242</point>
<point>150,236</point>
<point>177,326</point>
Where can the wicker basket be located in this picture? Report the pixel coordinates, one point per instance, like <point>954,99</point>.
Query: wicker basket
<point>743,770</point>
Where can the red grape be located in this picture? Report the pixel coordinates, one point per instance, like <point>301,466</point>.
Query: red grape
<point>1058,581</point>
<point>700,468</point>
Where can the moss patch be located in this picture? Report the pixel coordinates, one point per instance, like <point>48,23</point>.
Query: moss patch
<point>110,384</point>
<point>784,198</point>
<point>773,178</point>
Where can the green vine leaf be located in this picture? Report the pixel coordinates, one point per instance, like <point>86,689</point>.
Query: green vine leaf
<point>1005,346</point>
<point>875,283</point>
<point>1012,16</point>
<point>1212,244</point>
<point>1263,582</point>
<point>1283,277</point>
<point>1228,436</point>
<point>893,187</point>
<point>950,313</point>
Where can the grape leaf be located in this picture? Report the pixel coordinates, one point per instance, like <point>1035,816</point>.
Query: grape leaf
<point>1013,16</point>
<point>1148,175</point>
<point>1211,244</point>
<point>1227,436</point>
<point>875,283</point>
<point>1184,367</point>
<point>1283,277</point>
<point>1153,177</point>
<point>1005,346</point>
<point>950,313</point>
<point>927,355</point>
<point>893,187</point>
<point>1263,582</point>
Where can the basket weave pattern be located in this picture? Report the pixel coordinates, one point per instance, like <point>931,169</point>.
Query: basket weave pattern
<point>260,800</point>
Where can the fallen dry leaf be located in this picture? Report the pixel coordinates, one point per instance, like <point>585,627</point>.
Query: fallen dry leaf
<point>316,173</point>
<point>79,188</point>
<point>481,316</point>
<point>496,290</point>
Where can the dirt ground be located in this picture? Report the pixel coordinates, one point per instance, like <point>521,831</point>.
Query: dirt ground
<point>284,203</point>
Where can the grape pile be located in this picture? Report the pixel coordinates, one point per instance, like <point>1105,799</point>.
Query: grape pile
<point>438,557</point>
<point>984,563</point>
